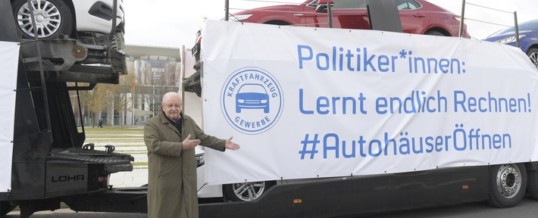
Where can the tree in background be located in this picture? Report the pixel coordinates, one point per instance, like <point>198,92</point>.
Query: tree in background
<point>122,96</point>
<point>95,100</point>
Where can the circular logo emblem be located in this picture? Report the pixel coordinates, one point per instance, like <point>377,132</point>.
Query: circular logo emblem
<point>252,100</point>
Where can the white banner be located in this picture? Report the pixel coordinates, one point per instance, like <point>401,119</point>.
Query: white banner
<point>306,103</point>
<point>9,61</point>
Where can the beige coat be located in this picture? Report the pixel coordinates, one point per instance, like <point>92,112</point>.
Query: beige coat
<point>172,171</point>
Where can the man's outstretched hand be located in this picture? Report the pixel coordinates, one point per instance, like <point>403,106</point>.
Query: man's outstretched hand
<point>231,145</point>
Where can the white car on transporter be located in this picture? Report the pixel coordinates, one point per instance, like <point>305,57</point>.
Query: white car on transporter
<point>78,37</point>
<point>76,19</point>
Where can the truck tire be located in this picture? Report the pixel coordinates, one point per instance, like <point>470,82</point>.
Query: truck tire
<point>246,191</point>
<point>6,207</point>
<point>55,18</point>
<point>532,184</point>
<point>508,184</point>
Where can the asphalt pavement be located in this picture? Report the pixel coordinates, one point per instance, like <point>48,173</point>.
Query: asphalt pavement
<point>528,208</point>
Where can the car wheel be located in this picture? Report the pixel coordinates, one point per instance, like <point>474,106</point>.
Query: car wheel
<point>508,183</point>
<point>532,184</point>
<point>434,33</point>
<point>6,207</point>
<point>53,17</point>
<point>533,55</point>
<point>247,191</point>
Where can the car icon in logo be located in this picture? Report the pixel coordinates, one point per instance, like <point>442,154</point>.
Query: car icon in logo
<point>252,96</point>
<point>252,100</point>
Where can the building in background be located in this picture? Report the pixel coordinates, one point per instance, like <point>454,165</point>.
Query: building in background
<point>156,71</point>
<point>152,71</point>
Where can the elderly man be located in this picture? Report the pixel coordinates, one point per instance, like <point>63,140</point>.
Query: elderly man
<point>170,138</point>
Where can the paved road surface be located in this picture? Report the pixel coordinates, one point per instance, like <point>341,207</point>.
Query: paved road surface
<point>528,208</point>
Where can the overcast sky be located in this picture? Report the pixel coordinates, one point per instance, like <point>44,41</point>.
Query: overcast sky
<point>173,23</point>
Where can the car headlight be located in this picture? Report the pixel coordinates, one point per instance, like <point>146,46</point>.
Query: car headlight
<point>200,160</point>
<point>241,100</point>
<point>199,153</point>
<point>240,17</point>
<point>510,39</point>
<point>263,101</point>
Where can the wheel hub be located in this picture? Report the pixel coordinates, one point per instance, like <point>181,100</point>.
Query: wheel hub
<point>40,19</point>
<point>508,181</point>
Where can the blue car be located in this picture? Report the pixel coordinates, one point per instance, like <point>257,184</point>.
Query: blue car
<point>528,38</point>
<point>252,96</point>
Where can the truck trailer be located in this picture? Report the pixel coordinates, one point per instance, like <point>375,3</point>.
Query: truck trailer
<point>45,159</point>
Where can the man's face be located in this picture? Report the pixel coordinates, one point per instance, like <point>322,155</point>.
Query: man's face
<point>172,107</point>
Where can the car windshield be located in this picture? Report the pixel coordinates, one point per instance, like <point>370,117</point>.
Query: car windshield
<point>526,26</point>
<point>311,3</point>
<point>252,88</point>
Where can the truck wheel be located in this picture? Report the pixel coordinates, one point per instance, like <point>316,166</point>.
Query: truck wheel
<point>532,185</point>
<point>247,191</point>
<point>53,17</point>
<point>6,207</point>
<point>508,183</point>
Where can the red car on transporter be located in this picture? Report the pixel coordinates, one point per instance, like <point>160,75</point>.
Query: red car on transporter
<point>417,16</point>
